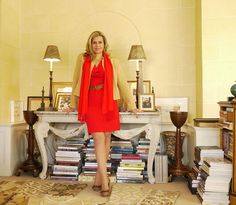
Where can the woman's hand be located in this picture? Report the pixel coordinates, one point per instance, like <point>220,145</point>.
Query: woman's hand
<point>69,109</point>
<point>135,111</point>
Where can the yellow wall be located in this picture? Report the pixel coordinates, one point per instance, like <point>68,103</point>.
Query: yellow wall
<point>164,27</point>
<point>218,53</point>
<point>9,56</point>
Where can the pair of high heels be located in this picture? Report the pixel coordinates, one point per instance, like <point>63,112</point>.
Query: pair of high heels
<point>104,193</point>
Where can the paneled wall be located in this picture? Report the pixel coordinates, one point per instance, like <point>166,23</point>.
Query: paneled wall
<point>165,28</point>
<point>13,147</point>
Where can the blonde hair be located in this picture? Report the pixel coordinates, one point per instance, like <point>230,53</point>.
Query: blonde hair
<point>89,51</point>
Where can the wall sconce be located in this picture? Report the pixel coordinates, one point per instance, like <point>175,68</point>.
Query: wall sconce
<point>137,54</point>
<point>51,55</point>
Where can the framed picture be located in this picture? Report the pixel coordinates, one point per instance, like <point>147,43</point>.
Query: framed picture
<point>63,100</point>
<point>146,86</point>
<point>16,109</point>
<point>146,102</point>
<point>61,87</point>
<point>34,102</point>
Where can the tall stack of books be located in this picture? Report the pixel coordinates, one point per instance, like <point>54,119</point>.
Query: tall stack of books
<point>68,163</point>
<point>119,147</point>
<point>130,169</point>
<point>214,186</point>
<point>143,150</point>
<point>90,165</point>
<point>201,152</point>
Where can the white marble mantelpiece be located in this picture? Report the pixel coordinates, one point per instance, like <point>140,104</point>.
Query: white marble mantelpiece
<point>47,118</point>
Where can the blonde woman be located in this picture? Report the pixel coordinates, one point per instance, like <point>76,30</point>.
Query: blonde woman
<point>98,83</point>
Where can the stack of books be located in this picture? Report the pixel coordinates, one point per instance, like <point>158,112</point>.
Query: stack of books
<point>193,179</point>
<point>130,169</point>
<point>201,152</point>
<point>119,147</point>
<point>215,180</point>
<point>143,148</point>
<point>90,165</point>
<point>68,163</point>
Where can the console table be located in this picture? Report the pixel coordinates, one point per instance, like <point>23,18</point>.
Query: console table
<point>46,118</point>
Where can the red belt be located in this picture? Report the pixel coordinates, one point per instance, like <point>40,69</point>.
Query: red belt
<point>96,87</point>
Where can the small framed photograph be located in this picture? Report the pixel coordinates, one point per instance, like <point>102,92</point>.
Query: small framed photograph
<point>34,102</point>
<point>146,86</point>
<point>146,102</point>
<point>61,87</point>
<point>63,100</point>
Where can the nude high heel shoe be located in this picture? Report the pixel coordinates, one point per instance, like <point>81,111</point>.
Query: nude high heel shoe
<point>96,187</point>
<point>107,193</point>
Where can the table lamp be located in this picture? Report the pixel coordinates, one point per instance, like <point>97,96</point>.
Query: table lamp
<point>137,54</point>
<point>51,55</point>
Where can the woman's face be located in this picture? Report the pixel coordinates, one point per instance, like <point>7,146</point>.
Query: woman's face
<point>98,45</point>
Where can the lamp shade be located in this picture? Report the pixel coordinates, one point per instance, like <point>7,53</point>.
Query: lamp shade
<point>137,53</point>
<point>52,54</point>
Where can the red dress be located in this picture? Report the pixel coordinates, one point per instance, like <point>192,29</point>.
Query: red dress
<point>96,120</point>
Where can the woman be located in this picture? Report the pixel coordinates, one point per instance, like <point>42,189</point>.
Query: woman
<point>98,83</point>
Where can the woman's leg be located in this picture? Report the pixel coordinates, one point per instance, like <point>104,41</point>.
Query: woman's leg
<point>101,156</point>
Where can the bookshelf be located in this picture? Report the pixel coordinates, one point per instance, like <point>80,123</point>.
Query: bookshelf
<point>227,123</point>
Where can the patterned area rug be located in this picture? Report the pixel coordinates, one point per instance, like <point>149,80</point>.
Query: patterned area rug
<point>21,192</point>
<point>46,192</point>
<point>130,194</point>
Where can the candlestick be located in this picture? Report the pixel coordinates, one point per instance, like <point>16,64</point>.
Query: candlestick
<point>137,87</point>
<point>42,107</point>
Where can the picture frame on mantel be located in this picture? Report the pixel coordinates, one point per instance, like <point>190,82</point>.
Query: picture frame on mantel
<point>146,86</point>
<point>34,102</point>
<point>63,100</point>
<point>60,87</point>
<point>146,102</point>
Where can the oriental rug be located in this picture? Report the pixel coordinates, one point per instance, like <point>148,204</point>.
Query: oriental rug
<point>46,192</point>
<point>21,192</point>
<point>130,194</point>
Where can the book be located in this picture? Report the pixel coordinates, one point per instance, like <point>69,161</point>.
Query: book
<point>161,168</point>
